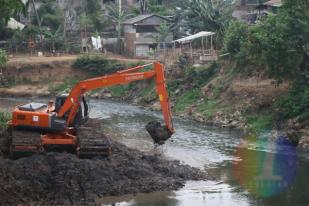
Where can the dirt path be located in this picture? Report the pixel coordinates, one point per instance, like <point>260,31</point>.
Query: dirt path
<point>34,59</point>
<point>36,76</point>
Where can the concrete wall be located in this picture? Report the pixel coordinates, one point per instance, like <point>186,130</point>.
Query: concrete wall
<point>131,37</point>
<point>129,29</point>
<point>142,50</point>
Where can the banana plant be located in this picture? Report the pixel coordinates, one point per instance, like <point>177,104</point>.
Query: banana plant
<point>53,37</point>
<point>209,15</point>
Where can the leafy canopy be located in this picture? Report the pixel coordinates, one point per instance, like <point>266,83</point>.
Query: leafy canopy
<point>9,8</point>
<point>278,42</point>
<point>208,15</point>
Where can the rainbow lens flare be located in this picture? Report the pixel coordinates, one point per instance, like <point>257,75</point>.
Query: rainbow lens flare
<point>265,174</point>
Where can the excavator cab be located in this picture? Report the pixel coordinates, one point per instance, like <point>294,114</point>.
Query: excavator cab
<point>82,113</point>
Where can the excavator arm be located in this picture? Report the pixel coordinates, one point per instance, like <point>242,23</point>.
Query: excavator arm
<point>72,103</point>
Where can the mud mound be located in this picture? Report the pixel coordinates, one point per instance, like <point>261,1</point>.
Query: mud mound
<point>64,179</point>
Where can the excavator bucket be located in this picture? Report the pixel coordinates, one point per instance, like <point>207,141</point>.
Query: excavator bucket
<point>158,133</point>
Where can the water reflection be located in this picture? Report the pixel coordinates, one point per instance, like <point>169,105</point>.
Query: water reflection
<point>265,174</point>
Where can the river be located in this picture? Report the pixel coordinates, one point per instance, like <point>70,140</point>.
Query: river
<point>243,170</point>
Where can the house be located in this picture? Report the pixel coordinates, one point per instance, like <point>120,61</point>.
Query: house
<point>141,34</point>
<point>250,11</point>
<point>245,10</point>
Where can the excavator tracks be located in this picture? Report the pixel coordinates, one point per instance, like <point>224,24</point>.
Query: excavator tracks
<point>91,140</point>
<point>23,143</point>
<point>92,143</point>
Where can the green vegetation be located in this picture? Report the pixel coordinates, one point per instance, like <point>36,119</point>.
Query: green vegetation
<point>259,122</point>
<point>9,8</point>
<point>4,118</point>
<point>208,15</point>
<point>208,108</point>
<point>295,103</point>
<point>200,76</point>
<point>3,58</point>
<point>158,8</point>
<point>97,65</point>
<point>118,17</point>
<point>187,99</point>
<point>277,47</point>
<point>277,43</point>
<point>117,91</point>
<point>236,37</point>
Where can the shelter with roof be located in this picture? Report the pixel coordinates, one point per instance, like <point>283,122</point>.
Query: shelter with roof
<point>198,47</point>
<point>141,32</point>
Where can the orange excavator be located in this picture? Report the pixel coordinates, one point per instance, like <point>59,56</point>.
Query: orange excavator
<point>36,127</point>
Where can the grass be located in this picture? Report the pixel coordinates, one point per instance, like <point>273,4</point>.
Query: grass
<point>210,107</point>
<point>259,122</point>
<point>186,100</point>
<point>117,91</point>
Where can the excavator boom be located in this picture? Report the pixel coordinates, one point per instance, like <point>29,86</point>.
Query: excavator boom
<point>72,102</point>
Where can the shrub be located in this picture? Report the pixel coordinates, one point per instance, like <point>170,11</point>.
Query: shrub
<point>200,76</point>
<point>3,58</point>
<point>186,99</point>
<point>260,122</point>
<point>295,103</point>
<point>236,36</point>
<point>97,64</point>
<point>4,118</point>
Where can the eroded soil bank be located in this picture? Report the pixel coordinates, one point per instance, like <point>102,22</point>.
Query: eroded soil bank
<point>64,179</point>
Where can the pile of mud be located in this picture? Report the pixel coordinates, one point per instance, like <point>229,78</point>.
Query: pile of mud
<point>64,179</point>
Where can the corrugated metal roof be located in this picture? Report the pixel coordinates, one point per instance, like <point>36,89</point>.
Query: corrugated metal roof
<point>141,18</point>
<point>194,36</point>
<point>275,3</point>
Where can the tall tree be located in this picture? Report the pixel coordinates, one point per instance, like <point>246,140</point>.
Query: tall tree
<point>118,16</point>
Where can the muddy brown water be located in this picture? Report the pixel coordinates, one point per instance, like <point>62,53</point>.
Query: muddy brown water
<point>218,151</point>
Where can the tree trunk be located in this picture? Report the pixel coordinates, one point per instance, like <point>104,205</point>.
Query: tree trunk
<point>39,23</point>
<point>53,45</point>
<point>143,6</point>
